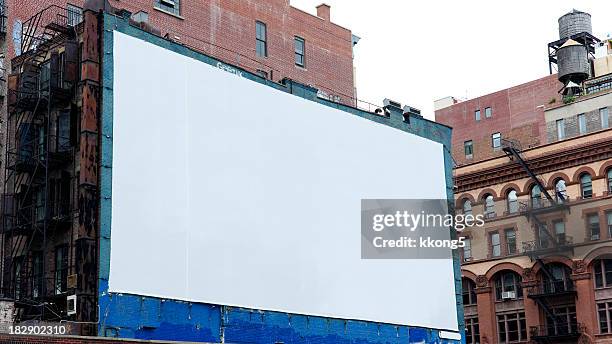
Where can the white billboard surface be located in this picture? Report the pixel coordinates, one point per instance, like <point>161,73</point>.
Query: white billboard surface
<point>230,192</point>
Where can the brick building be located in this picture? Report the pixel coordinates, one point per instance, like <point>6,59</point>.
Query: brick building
<point>56,199</point>
<point>260,36</point>
<point>536,161</point>
<point>516,112</point>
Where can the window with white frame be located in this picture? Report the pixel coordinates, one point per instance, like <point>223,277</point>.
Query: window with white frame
<point>602,269</point>
<point>170,6</point>
<point>582,127</point>
<point>467,249</point>
<point>495,245</point>
<point>604,116</point>
<point>560,129</point>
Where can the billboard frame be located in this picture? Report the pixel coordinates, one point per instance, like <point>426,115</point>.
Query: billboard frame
<point>115,310</point>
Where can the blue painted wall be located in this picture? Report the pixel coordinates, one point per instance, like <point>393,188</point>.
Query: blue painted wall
<point>134,316</point>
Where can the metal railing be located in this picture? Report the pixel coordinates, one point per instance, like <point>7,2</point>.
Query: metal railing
<point>563,241</point>
<point>549,288</point>
<point>35,30</point>
<point>556,330</point>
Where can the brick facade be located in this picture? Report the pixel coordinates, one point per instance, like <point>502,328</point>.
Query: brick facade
<point>517,113</point>
<point>226,29</point>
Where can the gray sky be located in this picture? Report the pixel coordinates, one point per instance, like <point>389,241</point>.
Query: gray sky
<point>418,51</point>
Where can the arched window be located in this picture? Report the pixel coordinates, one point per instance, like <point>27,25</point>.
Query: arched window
<point>469,291</point>
<point>489,206</point>
<point>556,279</point>
<point>586,185</point>
<point>512,200</point>
<point>602,269</point>
<point>467,206</point>
<point>508,286</point>
<point>536,196</point>
<point>609,178</point>
<point>561,191</point>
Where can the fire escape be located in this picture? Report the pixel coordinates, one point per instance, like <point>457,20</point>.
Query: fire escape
<point>36,202</point>
<point>551,289</point>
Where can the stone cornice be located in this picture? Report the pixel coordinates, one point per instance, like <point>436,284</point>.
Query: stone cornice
<point>556,160</point>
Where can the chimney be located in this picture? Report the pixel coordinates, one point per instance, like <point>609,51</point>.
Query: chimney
<point>323,11</point>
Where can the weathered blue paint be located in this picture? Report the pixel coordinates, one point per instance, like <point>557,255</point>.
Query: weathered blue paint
<point>134,316</point>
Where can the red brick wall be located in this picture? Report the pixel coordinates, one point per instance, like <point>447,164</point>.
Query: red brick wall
<point>211,24</point>
<point>518,113</point>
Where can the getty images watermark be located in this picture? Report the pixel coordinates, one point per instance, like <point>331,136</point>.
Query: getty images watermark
<point>411,228</point>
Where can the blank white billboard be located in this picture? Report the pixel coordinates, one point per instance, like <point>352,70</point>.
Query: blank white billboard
<point>230,192</point>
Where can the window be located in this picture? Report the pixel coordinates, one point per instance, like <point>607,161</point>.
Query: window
<point>37,275</point>
<point>45,76</point>
<point>511,241</point>
<point>602,268</point>
<point>472,331</point>
<point>536,196</point>
<point>61,269</point>
<point>477,115</point>
<point>170,6</point>
<point>468,148</point>
<point>586,186</point>
<point>74,15</point>
<point>560,129</point>
<point>496,140</point>
<point>609,178</point>
<point>42,142</point>
<point>488,112</point>
<point>467,207</point>
<point>565,322</point>
<point>467,250</point>
<point>63,132</point>
<point>489,206</point>
<point>40,204</point>
<point>582,124</point>
<point>561,191</point>
<point>469,291</point>
<point>495,245</point>
<point>300,52</point>
<point>511,327</point>
<point>605,120</point>
<point>261,38</point>
<point>543,236</point>
<point>609,223</point>
<point>18,273</point>
<point>593,225</point>
<point>559,280</point>
<point>559,231</point>
<point>512,200</point>
<point>604,312</point>
<point>508,282</point>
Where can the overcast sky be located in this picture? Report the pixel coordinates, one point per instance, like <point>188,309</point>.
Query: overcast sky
<point>418,51</point>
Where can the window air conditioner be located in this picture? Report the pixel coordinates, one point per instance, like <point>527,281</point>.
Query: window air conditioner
<point>508,295</point>
<point>71,304</point>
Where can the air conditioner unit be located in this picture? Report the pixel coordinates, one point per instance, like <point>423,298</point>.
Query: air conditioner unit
<point>508,295</point>
<point>71,304</point>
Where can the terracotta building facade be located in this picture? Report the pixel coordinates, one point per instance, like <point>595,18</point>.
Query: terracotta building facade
<point>537,269</point>
<point>537,165</point>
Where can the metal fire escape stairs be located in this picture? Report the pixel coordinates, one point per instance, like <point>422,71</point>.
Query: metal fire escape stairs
<point>33,107</point>
<point>513,151</point>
